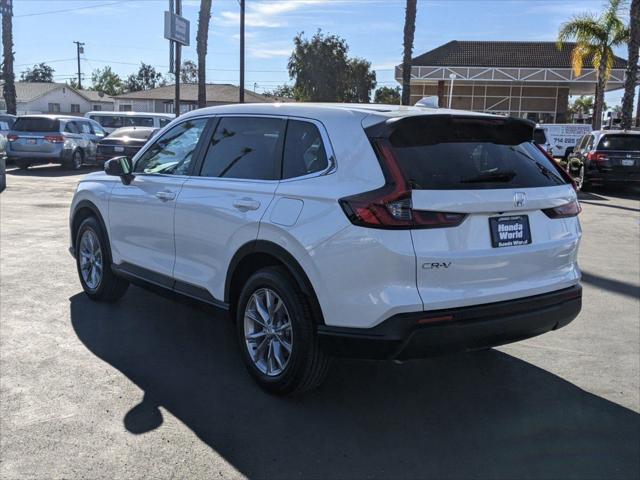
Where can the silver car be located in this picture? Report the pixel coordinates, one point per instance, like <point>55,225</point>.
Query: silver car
<point>69,141</point>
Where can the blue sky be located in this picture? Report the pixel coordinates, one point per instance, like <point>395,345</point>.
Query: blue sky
<point>124,33</point>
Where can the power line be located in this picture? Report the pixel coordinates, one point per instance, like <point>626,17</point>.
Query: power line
<point>50,12</point>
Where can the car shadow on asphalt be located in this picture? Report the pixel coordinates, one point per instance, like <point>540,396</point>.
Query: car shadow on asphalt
<point>476,415</point>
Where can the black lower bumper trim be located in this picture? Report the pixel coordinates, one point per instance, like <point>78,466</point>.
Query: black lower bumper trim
<point>424,334</point>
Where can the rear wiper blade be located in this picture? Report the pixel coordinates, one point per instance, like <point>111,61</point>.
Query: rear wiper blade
<point>497,176</point>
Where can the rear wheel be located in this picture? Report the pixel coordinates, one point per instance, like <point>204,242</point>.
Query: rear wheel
<point>22,164</point>
<point>93,261</point>
<point>277,335</point>
<point>75,162</point>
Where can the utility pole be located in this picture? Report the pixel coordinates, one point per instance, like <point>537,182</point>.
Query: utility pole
<point>9,87</point>
<point>241,99</point>
<point>79,50</point>
<point>176,106</point>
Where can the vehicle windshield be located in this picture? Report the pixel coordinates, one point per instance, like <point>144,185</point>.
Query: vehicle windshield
<point>620,142</point>
<point>464,153</point>
<point>36,124</point>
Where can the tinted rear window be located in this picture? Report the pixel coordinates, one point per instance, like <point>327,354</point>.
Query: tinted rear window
<point>539,137</point>
<point>25,124</point>
<point>449,153</point>
<point>619,142</point>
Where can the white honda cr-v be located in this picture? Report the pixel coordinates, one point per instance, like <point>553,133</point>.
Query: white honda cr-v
<point>367,231</point>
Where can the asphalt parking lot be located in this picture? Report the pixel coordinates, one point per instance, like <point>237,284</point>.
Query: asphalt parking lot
<point>154,388</point>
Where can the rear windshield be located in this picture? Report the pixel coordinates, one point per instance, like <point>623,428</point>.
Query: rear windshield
<point>26,124</point>
<point>139,134</point>
<point>620,142</point>
<point>539,137</point>
<point>451,153</point>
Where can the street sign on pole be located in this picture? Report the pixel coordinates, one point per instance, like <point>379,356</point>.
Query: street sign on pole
<point>6,7</point>
<point>176,28</point>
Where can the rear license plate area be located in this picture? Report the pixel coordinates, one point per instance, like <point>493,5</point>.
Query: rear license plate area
<point>32,141</point>
<point>628,162</point>
<point>510,231</point>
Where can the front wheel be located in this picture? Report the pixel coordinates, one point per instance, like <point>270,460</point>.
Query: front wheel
<point>277,334</point>
<point>93,261</point>
<point>75,162</point>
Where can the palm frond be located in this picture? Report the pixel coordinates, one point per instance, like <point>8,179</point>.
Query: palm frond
<point>583,28</point>
<point>578,55</point>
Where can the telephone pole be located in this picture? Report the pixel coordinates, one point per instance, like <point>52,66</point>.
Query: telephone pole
<point>79,50</point>
<point>178,67</point>
<point>241,99</point>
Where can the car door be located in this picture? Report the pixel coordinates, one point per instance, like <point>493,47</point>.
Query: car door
<point>89,143</point>
<point>220,208</point>
<point>141,214</point>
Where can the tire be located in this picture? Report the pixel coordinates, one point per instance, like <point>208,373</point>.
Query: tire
<point>104,286</point>
<point>22,164</point>
<point>75,162</point>
<point>306,365</point>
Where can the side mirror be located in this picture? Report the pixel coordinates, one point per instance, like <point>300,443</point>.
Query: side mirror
<point>119,167</point>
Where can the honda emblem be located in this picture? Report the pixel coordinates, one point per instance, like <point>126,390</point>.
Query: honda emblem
<point>519,199</point>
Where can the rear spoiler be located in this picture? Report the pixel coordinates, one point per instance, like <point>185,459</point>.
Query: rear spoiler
<point>417,130</point>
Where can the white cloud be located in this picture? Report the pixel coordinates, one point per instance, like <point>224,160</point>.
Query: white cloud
<point>265,52</point>
<point>268,14</point>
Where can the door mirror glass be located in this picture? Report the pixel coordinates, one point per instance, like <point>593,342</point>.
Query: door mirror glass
<point>119,167</point>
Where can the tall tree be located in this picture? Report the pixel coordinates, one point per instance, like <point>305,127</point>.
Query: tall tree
<point>281,91</point>
<point>632,65</point>
<point>388,95</point>
<point>361,81</point>
<point>409,33</point>
<point>146,78</point>
<point>596,37</point>
<point>189,72</point>
<point>202,39</point>
<point>106,81</point>
<point>39,73</point>
<point>9,87</point>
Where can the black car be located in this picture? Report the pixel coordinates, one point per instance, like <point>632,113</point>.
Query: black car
<point>124,142</point>
<point>606,157</point>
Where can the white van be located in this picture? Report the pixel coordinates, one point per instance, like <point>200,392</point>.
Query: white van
<point>111,121</point>
<point>562,137</point>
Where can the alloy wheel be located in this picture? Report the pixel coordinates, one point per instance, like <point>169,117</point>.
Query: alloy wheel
<point>268,332</point>
<point>91,260</point>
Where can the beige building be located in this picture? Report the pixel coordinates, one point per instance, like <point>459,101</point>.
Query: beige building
<point>523,79</point>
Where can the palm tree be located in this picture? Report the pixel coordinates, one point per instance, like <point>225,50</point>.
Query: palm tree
<point>632,65</point>
<point>409,31</point>
<point>202,40</point>
<point>9,88</point>
<point>595,39</point>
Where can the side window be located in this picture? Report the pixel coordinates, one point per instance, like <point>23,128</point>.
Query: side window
<point>245,147</point>
<point>164,122</point>
<point>304,152</point>
<point>589,143</point>
<point>110,121</point>
<point>97,130</point>
<point>138,122</point>
<point>171,154</point>
<point>71,127</point>
<point>85,128</point>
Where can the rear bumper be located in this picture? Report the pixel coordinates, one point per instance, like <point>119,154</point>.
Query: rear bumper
<point>424,334</point>
<point>40,157</point>
<point>601,178</point>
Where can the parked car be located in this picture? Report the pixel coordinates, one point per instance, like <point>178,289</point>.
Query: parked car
<point>124,141</point>
<point>606,157</point>
<point>69,141</point>
<point>111,121</point>
<point>376,232</point>
<point>562,137</point>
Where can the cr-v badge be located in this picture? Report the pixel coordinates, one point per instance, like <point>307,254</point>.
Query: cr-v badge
<point>519,199</point>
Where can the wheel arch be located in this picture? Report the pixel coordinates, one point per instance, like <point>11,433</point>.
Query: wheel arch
<point>83,210</point>
<point>258,254</point>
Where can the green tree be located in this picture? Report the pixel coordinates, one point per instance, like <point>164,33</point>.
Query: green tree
<point>146,78</point>
<point>323,72</point>
<point>73,83</point>
<point>201,48</point>
<point>388,95</point>
<point>282,91</point>
<point>39,73</point>
<point>596,37</point>
<point>631,77</point>
<point>361,81</point>
<point>409,33</point>
<point>189,72</point>
<point>106,81</point>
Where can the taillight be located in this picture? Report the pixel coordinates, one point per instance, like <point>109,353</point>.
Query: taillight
<point>389,207</point>
<point>570,209</point>
<point>54,138</point>
<point>597,157</point>
<point>12,138</point>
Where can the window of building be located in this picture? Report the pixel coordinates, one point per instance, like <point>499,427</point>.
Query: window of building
<point>124,108</point>
<point>54,107</point>
<point>97,108</point>
<point>245,147</point>
<point>75,108</point>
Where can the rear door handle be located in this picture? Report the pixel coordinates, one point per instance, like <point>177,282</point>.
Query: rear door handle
<point>165,196</point>
<point>245,204</point>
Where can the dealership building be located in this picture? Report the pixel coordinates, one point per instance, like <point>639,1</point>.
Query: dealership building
<point>531,80</point>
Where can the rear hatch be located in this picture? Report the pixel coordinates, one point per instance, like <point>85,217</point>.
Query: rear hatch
<point>618,153</point>
<point>492,218</point>
<point>126,142</point>
<point>35,134</point>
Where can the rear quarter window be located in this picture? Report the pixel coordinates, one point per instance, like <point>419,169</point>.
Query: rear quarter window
<point>25,124</point>
<point>466,153</point>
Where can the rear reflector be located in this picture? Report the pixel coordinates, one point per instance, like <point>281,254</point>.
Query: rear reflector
<point>390,207</point>
<point>442,318</point>
<point>570,209</point>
